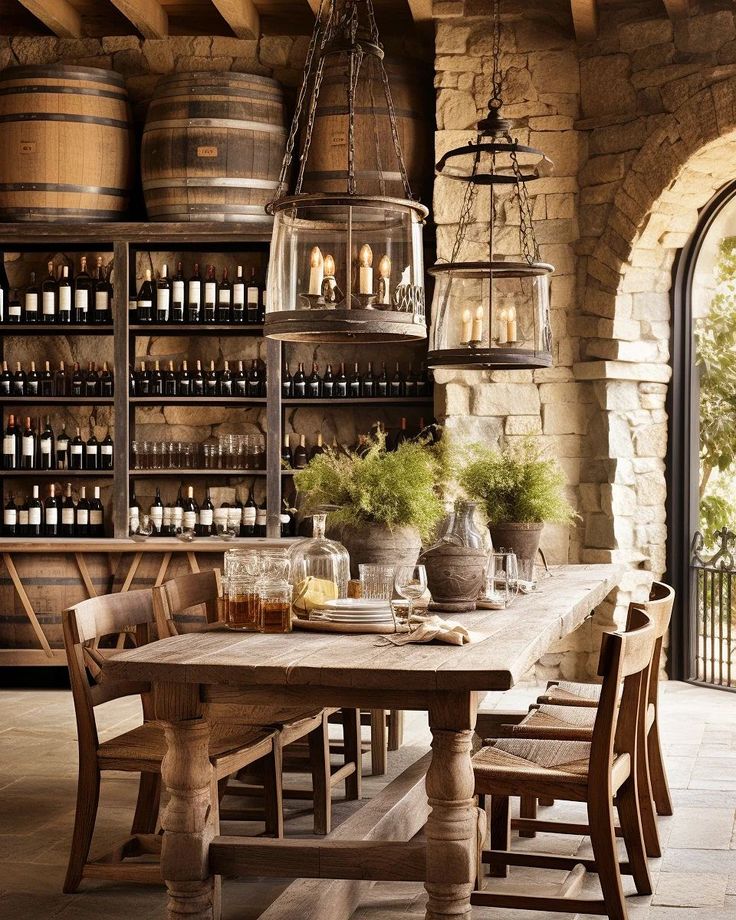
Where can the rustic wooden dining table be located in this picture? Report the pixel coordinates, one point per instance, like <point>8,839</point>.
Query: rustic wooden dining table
<point>196,677</point>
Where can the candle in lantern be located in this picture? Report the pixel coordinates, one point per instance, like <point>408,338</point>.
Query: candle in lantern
<point>511,321</point>
<point>329,284</point>
<point>467,327</point>
<point>477,335</point>
<point>384,270</point>
<point>365,285</point>
<point>503,326</point>
<point>316,271</point>
<point>329,266</point>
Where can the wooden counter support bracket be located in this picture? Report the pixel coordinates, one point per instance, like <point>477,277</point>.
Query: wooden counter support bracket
<point>27,606</point>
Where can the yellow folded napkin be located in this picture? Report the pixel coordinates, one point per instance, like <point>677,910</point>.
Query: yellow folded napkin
<point>432,629</point>
<point>311,594</point>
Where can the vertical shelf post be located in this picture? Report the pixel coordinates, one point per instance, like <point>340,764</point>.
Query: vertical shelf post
<point>121,455</point>
<point>273,438</point>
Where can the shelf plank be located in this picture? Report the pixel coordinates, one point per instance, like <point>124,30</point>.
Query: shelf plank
<point>215,401</point>
<point>100,236</point>
<point>44,329</point>
<point>126,545</point>
<point>57,474</point>
<point>183,473</point>
<point>360,401</point>
<point>57,400</point>
<point>173,329</point>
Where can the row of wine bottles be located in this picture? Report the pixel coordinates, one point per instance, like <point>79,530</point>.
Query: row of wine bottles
<point>61,382</point>
<point>145,381</point>
<point>357,385</point>
<point>60,298</point>
<point>167,519</point>
<point>34,448</point>
<point>197,299</point>
<point>57,516</point>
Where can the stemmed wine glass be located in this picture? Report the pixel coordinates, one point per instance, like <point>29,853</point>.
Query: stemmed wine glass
<point>410,583</point>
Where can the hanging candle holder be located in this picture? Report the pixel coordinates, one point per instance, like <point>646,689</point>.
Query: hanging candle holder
<point>493,313</point>
<point>345,266</point>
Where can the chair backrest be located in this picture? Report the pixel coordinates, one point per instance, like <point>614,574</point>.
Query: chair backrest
<point>624,665</point>
<point>187,603</point>
<point>128,614</point>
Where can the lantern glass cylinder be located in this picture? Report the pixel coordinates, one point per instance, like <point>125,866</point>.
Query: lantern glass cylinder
<point>490,315</point>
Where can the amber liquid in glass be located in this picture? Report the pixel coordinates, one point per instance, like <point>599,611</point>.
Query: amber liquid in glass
<point>244,611</point>
<point>276,616</point>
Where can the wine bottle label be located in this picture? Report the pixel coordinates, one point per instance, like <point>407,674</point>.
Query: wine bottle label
<point>233,516</point>
<point>134,513</point>
<point>168,516</point>
<point>178,516</point>
<point>253,295</point>
<point>27,448</point>
<point>34,516</point>
<point>23,518</point>
<point>52,517</point>
<point>132,306</point>
<point>91,450</point>
<point>65,299</point>
<point>210,292</point>
<point>82,517</point>
<point>81,300</point>
<point>190,520</point>
<point>206,517</point>
<point>249,516</point>
<point>49,303</point>
<point>145,304</point>
<point>195,291</point>
<point>9,444</point>
<point>67,516</point>
<point>61,447</point>
<point>101,300</point>
<point>163,299</point>
<point>46,446</point>
<point>95,517</point>
<point>178,292</point>
<point>14,309</point>
<point>32,303</point>
<point>238,294</point>
<point>157,513</point>
<point>107,450</point>
<point>224,296</point>
<point>10,517</point>
<point>284,519</point>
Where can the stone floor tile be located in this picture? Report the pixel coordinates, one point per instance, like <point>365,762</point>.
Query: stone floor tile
<point>702,828</point>
<point>681,889</point>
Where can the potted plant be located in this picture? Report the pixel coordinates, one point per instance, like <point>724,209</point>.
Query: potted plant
<point>520,489</point>
<point>383,503</point>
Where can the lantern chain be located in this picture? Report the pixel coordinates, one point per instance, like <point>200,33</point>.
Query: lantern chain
<point>527,239</point>
<point>466,211</point>
<point>497,79</point>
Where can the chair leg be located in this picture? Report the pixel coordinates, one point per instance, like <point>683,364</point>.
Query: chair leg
<point>395,729</point>
<point>88,797</point>
<point>146,809</point>
<point>273,793</point>
<point>603,839</point>
<point>319,759</point>
<point>379,742</point>
<point>353,752</point>
<point>627,803</point>
<point>500,832</point>
<point>646,804</point>
<point>660,786</point>
<point>528,809</point>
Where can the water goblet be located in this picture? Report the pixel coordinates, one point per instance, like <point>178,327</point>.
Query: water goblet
<point>410,582</point>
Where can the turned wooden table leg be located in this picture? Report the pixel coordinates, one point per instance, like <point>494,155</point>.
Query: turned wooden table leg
<point>190,819</point>
<point>452,826</point>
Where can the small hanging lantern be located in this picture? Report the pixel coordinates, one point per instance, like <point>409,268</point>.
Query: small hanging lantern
<point>495,313</point>
<point>345,266</point>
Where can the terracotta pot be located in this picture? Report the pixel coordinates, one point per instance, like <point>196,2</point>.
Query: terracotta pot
<point>522,539</point>
<point>372,543</point>
<point>455,576</point>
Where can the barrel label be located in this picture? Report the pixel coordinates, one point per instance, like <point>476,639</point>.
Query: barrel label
<point>27,146</point>
<point>207,152</point>
<point>339,139</point>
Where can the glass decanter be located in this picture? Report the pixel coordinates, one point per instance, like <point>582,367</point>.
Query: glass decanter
<point>326,561</point>
<point>461,529</point>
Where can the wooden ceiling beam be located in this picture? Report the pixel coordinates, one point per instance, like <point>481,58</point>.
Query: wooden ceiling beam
<point>57,15</point>
<point>585,19</point>
<point>421,10</point>
<point>677,9</point>
<point>314,5</point>
<point>148,16</point>
<point>241,15</point>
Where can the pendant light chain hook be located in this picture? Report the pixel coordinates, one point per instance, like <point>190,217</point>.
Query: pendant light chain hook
<point>497,79</point>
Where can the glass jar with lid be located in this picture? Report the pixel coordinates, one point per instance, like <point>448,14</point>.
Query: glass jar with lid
<point>320,560</point>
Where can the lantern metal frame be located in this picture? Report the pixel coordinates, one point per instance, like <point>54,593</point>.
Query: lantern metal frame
<point>348,28</point>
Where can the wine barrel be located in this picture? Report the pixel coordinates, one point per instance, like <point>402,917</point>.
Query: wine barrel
<point>212,147</point>
<point>66,144</point>
<point>375,157</point>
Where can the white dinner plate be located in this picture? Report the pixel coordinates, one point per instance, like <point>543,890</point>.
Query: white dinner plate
<point>349,618</point>
<point>355,605</point>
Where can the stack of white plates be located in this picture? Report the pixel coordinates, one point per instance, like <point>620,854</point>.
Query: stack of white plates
<point>356,610</point>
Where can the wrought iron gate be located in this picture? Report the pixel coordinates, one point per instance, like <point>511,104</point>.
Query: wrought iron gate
<point>714,611</point>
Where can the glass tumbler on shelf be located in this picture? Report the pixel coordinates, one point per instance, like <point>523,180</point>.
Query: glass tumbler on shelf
<point>318,558</point>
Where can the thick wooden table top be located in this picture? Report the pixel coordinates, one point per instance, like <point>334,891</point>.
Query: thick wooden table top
<point>508,643</point>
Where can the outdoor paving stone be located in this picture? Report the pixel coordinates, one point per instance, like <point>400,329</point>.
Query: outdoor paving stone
<point>702,828</point>
<point>681,889</point>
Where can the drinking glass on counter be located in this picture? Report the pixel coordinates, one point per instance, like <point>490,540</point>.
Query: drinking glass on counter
<point>243,608</point>
<point>275,598</point>
<point>410,582</point>
<point>376,581</point>
<point>502,581</point>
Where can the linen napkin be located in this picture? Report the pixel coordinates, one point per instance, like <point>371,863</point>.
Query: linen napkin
<point>432,629</point>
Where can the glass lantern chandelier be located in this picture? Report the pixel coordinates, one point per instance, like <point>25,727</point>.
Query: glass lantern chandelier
<point>345,266</point>
<point>495,313</point>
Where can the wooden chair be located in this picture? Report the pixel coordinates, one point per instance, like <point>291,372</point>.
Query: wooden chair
<point>592,772</point>
<point>190,602</point>
<point>139,750</point>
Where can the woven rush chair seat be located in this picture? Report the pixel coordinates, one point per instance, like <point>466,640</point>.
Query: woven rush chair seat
<point>570,692</point>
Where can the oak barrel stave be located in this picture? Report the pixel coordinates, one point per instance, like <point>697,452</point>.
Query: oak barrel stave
<point>212,147</point>
<point>67,143</point>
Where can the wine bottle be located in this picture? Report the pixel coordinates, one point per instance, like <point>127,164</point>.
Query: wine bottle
<point>198,381</point>
<point>382,383</point>
<point>96,515</point>
<point>46,382</point>
<point>355,383</point>
<point>401,435</point>
<point>184,383</point>
<point>10,446</point>
<point>252,299</point>
<point>145,299</point>
<point>206,516</point>
<point>239,297</point>
<point>248,527</point>
<point>103,295</point>
<point>143,383</point>
<point>4,289</point>
<point>35,515</point>
<point>211,382</point>
<point>82,292</point>
<point>77,382</point>
<point>19,380</point>
<point>68,513</point>
<point>15,310</point>
<point>261,528</point>
<point>210,295</point>
<point>132,304</point>
<point>318,448</point>
<point>396,387</point>
<point>341,383</point>
<point>23,518</point>
<point>156,380</point>
<point>10,518</point>
<point>134,512</point>
<point>62,450</point>
<point>328,384</point>
<point>76,452</point>
<point>6,380</point>
<point>194,296</point>
<point>107,452</point>
<point>314,383</point>
<point>177,521</point>
<point>47,447</point>
<point>255,380</point>
<point>287,383</point>
<point>224,299</point>
<point>157,513</point>
<point>28,447</point>
<point>31,301</point>
<point>49,295</point>
<point>177,295</point>
<point>91,381</point>
<point>163,295</point>
<point>286,455</point>
<point>33,381</point>
<point>170,381</point>
<point>410,384</point>
<point>51,514</point>
<point>107,384</point>
<point>226,380</point>
<point>92,448</point>
<point>423,384</point>
<point>65,297</point>
<point>240,384</point>
<point>300,454</point>
<point>190,520</point>
<point>368,386</point>
<point>262,303</point>
<point>81,515</point>
<point>61,381</point>
<point>300,383</point>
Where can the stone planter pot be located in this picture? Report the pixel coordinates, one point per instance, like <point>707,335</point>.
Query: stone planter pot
<point>522,539</point>
<point>455,576</point>
<point>371,543</point>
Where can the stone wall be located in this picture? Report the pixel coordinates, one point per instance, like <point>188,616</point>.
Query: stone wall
<point>640,125</point>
